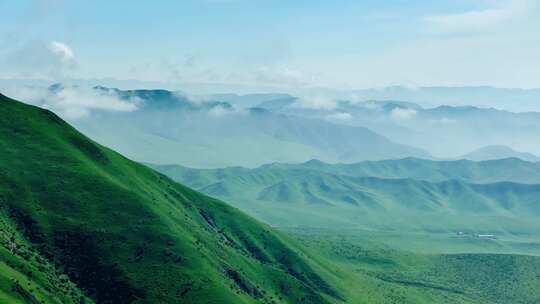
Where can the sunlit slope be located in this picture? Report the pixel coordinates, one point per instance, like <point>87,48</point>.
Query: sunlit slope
<point>124,233</point>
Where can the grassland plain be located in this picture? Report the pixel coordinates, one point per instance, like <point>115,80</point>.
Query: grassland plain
<point>374,273</point>
<point>80,223</point>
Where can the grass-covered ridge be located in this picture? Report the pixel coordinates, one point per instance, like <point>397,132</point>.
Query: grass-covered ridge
<point>124,233</point>
<point>402,195</point>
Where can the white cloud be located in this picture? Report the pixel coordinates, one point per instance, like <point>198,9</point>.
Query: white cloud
<point>218,111</point>
<point>37,59</point>
<point>444,121</point>
<point>340,116</point>
<point>72,102</point>
<point>316,102</point>
<point>480,20</point>
<point>402,114</point>
<point>62,50</point>
<point>77,100</point>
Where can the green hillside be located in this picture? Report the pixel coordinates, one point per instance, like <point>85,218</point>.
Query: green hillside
<point>79,218</point>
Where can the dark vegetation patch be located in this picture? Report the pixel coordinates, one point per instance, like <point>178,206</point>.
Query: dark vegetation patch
<point>27,225</point>
<point>243,284</point>
<point>53,117</point>
<point>105,283</point>
<point>27,296</point>
<point>419,284</point>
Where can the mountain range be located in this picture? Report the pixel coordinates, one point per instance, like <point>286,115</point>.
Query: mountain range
<point>499,152</point>
<point>80,223</point>
<point>500,196</point>
<point>444,131</point>
<point>167,127</point>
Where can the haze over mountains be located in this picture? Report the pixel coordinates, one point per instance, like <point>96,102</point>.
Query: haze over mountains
<point>153,125</point>
<point>499,152</point>
<point>444,131</point>
<point>166,127</point>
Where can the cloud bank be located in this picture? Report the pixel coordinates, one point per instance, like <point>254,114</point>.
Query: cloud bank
<point>480,20</point>
<point>403,114</point>
<point>72,102</point>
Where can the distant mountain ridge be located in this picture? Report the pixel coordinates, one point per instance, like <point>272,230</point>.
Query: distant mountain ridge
<point>499,152</point>
<point>499,195</point>
<point>445,131</point>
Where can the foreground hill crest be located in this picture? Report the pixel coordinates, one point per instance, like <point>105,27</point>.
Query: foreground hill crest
<point>122,233</point>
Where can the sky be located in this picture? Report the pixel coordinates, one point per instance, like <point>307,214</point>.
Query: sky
<point>283,43</point>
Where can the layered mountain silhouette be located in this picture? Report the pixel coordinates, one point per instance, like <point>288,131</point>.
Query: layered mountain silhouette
<point>167,127</point>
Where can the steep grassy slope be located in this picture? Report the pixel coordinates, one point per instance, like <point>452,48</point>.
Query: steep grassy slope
<point>330,195</point>
<point>26,276</point>
<point>124,233</point>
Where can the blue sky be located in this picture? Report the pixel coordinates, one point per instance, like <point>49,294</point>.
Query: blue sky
<point>340,44</point>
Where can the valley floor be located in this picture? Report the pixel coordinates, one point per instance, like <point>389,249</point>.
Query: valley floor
<point>368,268</point>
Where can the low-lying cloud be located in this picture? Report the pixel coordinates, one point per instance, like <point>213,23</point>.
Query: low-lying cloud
<point>339,116</point>
<point>316,103</point>
<point>480,20</point>
<point>403,114</point>
<point>72,102</point>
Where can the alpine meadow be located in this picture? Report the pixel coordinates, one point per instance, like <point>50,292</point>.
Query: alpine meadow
<point>269,152</point>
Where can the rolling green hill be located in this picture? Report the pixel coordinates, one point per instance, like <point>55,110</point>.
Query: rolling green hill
<point>320,195</point>
<point>491,171</point>
<point>79,219</point>
<point>482,172</point>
